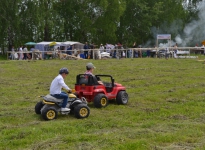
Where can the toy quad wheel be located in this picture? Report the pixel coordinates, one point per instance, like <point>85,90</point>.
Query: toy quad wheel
<point>100,100</point>
<point>81,111</point>
<point>38,107</point>
<point>49,113</point>
<point>122,98</point>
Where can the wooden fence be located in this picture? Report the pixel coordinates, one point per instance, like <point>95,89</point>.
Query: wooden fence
<point>128,53</point>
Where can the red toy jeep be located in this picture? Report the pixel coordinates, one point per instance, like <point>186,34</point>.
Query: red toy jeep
<point>87,86</point>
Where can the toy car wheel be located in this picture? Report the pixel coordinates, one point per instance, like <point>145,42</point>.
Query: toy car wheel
<point>100,100</point>
<point>122,98</point>
<point>38,107</point>
<point>81,111</point>
<point>49,113</point>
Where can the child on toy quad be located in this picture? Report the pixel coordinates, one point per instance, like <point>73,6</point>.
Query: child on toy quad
<point>56,86</point>
<point>57,101</point>
<point>50,106</point>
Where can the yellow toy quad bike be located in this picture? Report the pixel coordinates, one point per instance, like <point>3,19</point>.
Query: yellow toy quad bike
<point>50,106</point>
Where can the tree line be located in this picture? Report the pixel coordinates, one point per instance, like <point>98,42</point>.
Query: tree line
<point>93,21</point>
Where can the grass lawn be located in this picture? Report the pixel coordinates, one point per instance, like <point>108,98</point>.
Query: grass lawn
<point>166,108</point>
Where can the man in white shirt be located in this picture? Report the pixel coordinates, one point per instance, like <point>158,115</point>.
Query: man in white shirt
<point>20,53</point>
<point>101,48</point>
<point>56,86</point>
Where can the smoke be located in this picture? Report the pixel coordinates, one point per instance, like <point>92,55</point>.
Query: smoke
<point>174,29</point>
<point>192,34</point>
<point>178,39</point>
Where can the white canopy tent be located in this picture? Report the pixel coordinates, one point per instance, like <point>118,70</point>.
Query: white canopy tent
<point>75,45</point>
<point>43,46</point>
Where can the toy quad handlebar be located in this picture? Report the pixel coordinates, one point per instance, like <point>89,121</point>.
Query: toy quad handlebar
<point>71,91</point>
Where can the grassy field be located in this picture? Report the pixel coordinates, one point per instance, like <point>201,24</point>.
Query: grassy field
<point>166,108</point>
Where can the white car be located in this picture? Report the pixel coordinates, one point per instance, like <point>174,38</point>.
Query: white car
<point>105,55</point>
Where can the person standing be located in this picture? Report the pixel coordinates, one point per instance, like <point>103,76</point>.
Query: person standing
<point>101,48</point>
<point>86,47</point>
<point>25,50</point>
<point>20,53</point>
<point>167,52</point>
<point>31,52</point>
<point>12,55</point>
<point>203,48</point>
<point>91,47</point>
<point>134,50</point>
<point>57,84</point>
<point>69,50</point>
<point>175,50</point>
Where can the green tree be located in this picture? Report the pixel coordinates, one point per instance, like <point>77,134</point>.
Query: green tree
<point>108,20</point>
<point>99,21</point>
<point>9,17</point>
<point>136,21</point>
<point>90,20</point>
<point>171,19</point>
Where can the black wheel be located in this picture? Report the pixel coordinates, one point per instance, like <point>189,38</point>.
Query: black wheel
<point>38,107</point>
<point>72,109</point>
<point>49,113</point>
<point>100,100</point>
<point>81,111</point>
<point>122,98</point>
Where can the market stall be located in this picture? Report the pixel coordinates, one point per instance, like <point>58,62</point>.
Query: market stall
<point>46,48</point>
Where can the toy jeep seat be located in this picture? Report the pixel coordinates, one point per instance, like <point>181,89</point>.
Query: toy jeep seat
<point>86,79</point>
<point>83,80</point>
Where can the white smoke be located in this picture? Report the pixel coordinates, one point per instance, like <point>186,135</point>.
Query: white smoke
<point>193,33</point>
<point>178,39</point>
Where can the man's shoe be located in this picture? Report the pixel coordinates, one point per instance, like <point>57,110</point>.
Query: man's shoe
<point>65,109</point>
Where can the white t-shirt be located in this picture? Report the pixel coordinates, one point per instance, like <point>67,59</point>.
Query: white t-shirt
<point>101,49</point>
<point>167,50</point>
<point>25,49</point>
<point>20,49</point>
<point>57,84</point>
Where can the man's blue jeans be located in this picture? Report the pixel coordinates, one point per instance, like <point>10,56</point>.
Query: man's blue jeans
<point>63,96</point>
<point>86,54</point>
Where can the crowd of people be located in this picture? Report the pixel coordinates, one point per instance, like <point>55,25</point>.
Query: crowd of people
<point>107,50</point>
<point>21,53</point>
<point>89,51</point>
<point>92,51</point>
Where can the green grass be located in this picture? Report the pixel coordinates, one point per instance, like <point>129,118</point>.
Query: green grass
<point>166,108</point>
